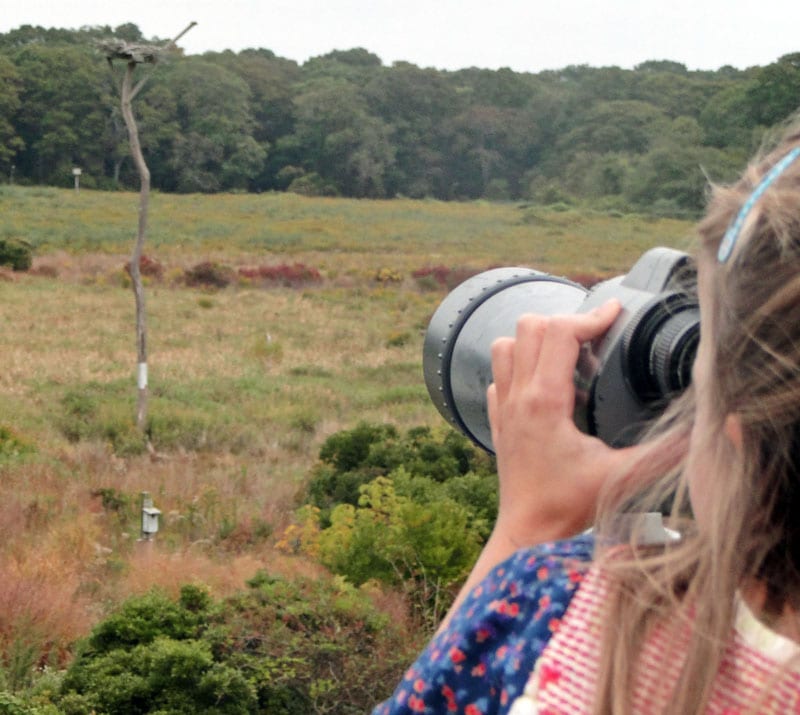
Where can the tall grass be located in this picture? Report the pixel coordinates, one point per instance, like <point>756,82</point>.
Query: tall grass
<point>245,381</point>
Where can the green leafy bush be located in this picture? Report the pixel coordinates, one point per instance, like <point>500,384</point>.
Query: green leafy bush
<point>351,458</point>
<point>10,705</point>
<point>411,510</point>
<point>141,620</point>
<point>166,675</point>
<point>282,646</point>
<point>425,548</point>
<point>16,253</point>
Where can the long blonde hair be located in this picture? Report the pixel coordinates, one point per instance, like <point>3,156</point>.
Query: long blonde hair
<point>753,521</point>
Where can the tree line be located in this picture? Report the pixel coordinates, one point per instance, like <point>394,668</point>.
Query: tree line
<point>344,124</point>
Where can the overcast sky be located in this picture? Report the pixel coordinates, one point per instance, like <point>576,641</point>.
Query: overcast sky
<point>525,35</point>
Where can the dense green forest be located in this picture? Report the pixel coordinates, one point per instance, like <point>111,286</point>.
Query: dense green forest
<point>345,124</point>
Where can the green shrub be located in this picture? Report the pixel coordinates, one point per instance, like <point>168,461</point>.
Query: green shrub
<point>10,705</point>
<point>309,645</point>
<point>16,253</point>
<point>282,646</point>
<point>12,444</point>
<point>149,656</point>
<point>167,676</point>
<point>312,185</point>
<point>209,275</point>
<point>427,548</point>
<point>144,618</point>
<point>476,492</point>
<point>351,458</point>
<point>349,450</point>
<point>407,510</point>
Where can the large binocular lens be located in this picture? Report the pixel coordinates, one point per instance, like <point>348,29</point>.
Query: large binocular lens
<point>622,381</point>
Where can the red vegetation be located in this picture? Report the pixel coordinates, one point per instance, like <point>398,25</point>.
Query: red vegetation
<point>284,274</point>
<point>148,266</point>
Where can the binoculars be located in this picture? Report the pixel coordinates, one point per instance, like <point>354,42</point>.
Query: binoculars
<point>622,380</point>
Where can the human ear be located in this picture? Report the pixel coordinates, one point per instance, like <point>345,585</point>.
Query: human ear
<point>733,431</point>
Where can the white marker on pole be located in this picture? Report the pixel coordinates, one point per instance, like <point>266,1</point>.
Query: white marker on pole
<point>142,375</point>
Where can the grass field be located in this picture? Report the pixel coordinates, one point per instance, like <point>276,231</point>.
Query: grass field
<point>246,381</point>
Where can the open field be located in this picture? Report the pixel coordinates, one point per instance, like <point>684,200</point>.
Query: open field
<point>339,236</point>
<point>246,381</point>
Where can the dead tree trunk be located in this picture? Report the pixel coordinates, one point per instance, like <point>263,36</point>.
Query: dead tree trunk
<point>128,93</point>
<point>135,54</point>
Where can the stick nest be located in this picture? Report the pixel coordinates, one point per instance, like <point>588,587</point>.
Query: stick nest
<point>132,52</point>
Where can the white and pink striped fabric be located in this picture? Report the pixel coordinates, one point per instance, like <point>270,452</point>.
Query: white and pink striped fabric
<point>563,682</point>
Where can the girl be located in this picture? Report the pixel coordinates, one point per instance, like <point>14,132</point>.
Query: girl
<point>707,623</point>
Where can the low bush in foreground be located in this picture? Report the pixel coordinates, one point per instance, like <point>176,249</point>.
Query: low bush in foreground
<point>410,511</point>
<point>282,646</point>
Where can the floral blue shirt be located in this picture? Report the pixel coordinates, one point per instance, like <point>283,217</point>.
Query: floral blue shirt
<point>481,662</point>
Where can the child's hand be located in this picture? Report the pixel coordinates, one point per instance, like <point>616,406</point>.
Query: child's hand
<point>550,472</point>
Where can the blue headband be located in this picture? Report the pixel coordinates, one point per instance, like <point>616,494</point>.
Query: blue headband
<point>732,234</point>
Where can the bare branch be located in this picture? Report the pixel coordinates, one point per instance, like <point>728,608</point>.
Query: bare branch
<point>138,87</point>
<point>174,41</point>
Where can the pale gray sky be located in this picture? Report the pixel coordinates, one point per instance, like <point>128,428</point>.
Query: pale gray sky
<point>525,35</point>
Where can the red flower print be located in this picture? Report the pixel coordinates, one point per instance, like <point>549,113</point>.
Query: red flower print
<point>457,655</point>
<point>450,696</point>
<point>419,685</point>
<point>505,608</point>
<point>544,602</point>
<point>542,573</point>
<point>549,674</point>
<point>472,709</point>
<point>575,576</point>
<point>416,704</point>
<point>553,624</point>
<point>479,670</point>
<point>482,635</point>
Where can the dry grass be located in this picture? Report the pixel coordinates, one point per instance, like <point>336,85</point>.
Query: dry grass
<point>251,380</point>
